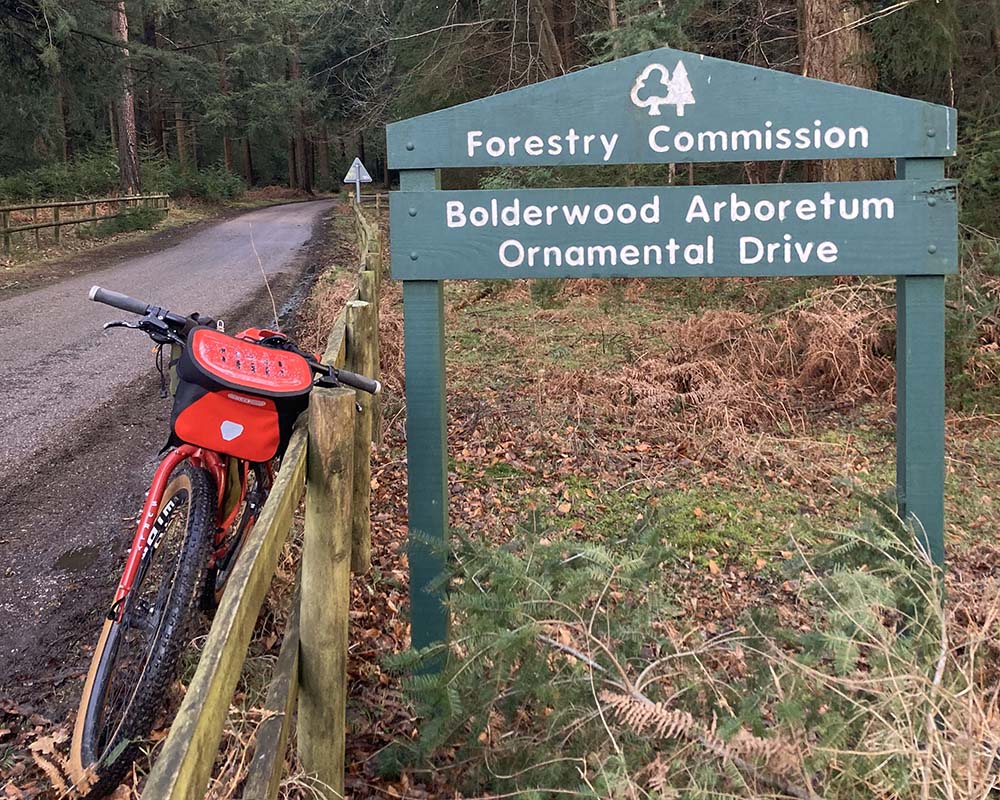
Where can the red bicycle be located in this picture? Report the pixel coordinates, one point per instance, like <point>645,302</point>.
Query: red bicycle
<point>236,399</point>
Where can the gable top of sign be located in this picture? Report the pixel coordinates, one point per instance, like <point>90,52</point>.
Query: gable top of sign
<point>670,106</point>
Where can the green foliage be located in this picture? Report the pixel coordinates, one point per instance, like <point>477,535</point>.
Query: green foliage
<point>834,702</point>
<point>917,49</point>
<point>92,174</point>
<point>545,291</point>
<point>509,600</point>
<point>95,174</point>
<point>972,362</point>
<point>978,165</point>
<point>214,184</point>
<point>139,218</point>
<point>647,26</point>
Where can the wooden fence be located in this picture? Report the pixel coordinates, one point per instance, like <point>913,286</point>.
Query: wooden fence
<point>77,209</point>
<point>328,460</point>
<point>377,199</point>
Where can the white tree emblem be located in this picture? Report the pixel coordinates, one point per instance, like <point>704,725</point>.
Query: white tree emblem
<point>679,92</point>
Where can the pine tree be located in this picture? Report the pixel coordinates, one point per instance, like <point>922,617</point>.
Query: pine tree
<point>681,93</point>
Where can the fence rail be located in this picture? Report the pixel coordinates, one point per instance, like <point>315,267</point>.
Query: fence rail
<point>329,456</point>
<point>58,222</point>
<point>377,199</point>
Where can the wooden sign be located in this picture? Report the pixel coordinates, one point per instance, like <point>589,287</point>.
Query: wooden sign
<point>667,106</point>
<point>872,228</point>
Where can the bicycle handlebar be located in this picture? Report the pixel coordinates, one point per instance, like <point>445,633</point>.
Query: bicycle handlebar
<point>134,306</point>
<point>356,381</point>
<point>130,304</point>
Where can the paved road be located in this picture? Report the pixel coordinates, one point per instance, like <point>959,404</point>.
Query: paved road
<point>81,421</point>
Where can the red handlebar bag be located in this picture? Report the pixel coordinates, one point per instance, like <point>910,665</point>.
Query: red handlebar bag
<point>236,396</point>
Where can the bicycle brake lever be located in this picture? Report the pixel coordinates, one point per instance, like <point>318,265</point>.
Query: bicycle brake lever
<point>121,324</point>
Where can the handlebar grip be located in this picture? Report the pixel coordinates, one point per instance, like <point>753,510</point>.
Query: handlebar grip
<point>118,300</point>
<point>356,381</point>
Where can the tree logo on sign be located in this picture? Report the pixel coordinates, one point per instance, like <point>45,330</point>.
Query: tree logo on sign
<point>678,89</point>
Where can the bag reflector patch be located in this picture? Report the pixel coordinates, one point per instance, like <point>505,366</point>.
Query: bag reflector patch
<point>230,430</point>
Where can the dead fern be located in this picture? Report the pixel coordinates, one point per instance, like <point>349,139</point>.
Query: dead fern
<point>770,761</point>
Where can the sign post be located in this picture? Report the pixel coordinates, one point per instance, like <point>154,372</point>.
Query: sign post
<point>667,106</point>
<point>357,174</point>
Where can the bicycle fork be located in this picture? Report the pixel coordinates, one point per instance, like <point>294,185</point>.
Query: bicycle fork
<point>147,534</point>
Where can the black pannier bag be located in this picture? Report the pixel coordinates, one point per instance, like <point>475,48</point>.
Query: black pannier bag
<point>236,396</point>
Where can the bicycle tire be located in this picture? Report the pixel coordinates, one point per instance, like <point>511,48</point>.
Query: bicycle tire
<point>136,658</point>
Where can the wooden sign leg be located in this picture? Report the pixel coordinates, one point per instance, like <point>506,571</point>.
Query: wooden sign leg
<point>920,391</point>
<point>426,457</point>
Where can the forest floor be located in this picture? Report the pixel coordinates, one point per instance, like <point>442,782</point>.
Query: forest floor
<point>739,416</point>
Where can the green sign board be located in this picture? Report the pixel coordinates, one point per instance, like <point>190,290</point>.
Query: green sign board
<point>667,106</point>
<point>873,228</point>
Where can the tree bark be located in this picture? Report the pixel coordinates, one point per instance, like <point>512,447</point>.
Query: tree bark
<point>154,97</point>
<point>566,12</point>
<point>293,173</point>
<point>65,144</point>
<point>247,161</point>
<point>303,173</point>
<point>829,51</point>
<point>180,129</point>
<point>323,157</point>
<point>128,142</point>
<point>227,143</point>
<point>548,45</point>
<point>193,131</point>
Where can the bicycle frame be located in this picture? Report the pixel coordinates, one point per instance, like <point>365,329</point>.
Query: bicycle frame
<point>207,459</point>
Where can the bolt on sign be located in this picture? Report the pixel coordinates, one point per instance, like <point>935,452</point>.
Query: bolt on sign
<point>667,106</point>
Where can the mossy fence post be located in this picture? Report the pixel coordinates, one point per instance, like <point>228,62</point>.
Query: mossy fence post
<point>326,588</point>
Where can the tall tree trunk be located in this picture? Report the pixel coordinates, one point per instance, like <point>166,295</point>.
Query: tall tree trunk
<point>62,116</point>
<point>247,162</point>
<point>154,97</point>
<point>566,29</point>
<point>227,143</point>
<point>180,129</point>
<point>293,172</point>
<point>361,146</point>
<point>128,141</point>
<point>303,174</point>
<point>323,157</point>
<point>613,14</point>
<point>193,130</point>
<point>548,45</point>
<point>831,50</point>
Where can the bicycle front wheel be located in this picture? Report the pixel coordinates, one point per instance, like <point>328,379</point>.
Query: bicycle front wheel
<point>136,656</point>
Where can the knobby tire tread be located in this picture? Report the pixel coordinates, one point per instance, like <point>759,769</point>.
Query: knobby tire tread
<point>178,616</point>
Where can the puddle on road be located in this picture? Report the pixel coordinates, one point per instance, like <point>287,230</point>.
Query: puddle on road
<point>78,559</point>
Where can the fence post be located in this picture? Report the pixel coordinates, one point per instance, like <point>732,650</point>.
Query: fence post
<point>326,589</point>
<point>4,224</point>
<point>55,220</point>
<point>362,356</point>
